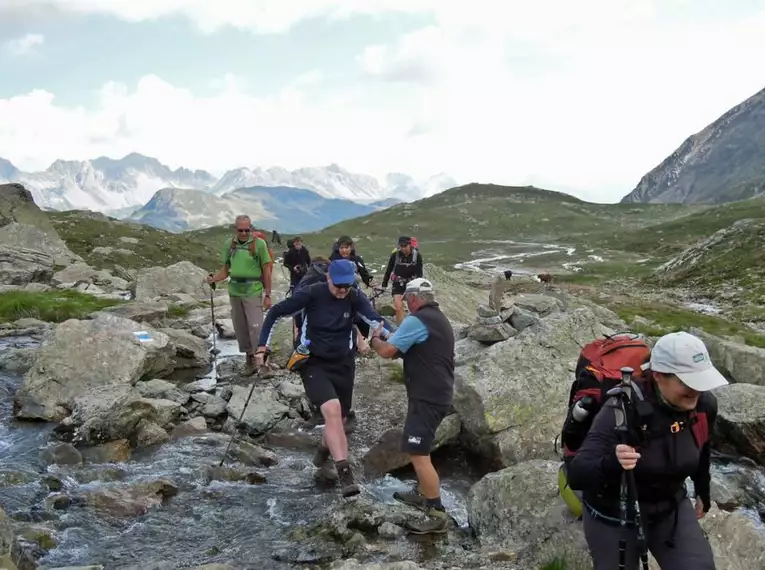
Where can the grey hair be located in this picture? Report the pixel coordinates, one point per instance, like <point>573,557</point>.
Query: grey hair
<point>424,296</point>
<point>241,218</point>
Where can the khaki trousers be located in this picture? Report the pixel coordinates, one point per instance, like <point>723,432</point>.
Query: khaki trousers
<point>247,315</point>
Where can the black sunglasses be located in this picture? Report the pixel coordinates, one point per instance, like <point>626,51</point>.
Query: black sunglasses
<point>342,287</point>
<point>243,231</point>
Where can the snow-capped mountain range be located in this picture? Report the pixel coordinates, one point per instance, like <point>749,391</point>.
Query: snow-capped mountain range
<point>120,186</point>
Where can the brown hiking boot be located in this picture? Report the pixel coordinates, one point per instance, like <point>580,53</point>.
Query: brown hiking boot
<point>249,365</point>
<point>350,487</point>
<point>434,521</point>
<point>412,498</point>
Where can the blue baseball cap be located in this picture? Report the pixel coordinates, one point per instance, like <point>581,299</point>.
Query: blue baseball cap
<point>342,272</point>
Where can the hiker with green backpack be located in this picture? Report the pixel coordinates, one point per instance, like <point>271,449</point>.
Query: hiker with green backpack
<point>638,427</point>
<point>248,264</point>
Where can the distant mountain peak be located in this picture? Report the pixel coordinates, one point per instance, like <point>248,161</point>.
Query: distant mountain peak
<point>723,162</point>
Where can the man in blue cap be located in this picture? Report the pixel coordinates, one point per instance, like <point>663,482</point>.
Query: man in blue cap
<point>329,309</point>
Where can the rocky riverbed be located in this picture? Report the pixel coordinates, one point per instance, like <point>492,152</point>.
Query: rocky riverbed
<point>113,426</point>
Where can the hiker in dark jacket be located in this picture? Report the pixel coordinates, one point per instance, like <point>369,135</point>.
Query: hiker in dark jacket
<point>404,265</point>
<point>329,371</point>
<point>343,249</point>
<point>681,376</point>
<point>297,259</point>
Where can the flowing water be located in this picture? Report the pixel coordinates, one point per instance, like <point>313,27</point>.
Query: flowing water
<point>245,525</point>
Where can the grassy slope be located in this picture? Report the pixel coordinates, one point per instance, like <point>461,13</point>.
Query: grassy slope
<point>456,223</point>
<point>51,306</point>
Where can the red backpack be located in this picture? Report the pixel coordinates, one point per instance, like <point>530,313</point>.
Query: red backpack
<point>598,370</point>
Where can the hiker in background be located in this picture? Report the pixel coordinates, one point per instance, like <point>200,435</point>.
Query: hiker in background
<point>404,265</point>
<point>297,259</point>
<point>426,341</point>
<point>328,366</point>
<point>667,442</point>
<point>343,248</point>
<point>248,265</point>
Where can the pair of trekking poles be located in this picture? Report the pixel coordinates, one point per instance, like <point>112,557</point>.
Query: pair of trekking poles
<point>628,487</point>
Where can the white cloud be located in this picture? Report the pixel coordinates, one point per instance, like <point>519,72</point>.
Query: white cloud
<point>588,94</point>
<point>24,45</point>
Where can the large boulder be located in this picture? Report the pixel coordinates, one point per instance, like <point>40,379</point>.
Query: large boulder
<point>20,266</point>
<point>190,351</point>
<point>180,278</point>
<point>516,506</point>
<point>83,273</point>
<point>737,539</point>
<point>105,355</point>
<point>740,425</point>
<point>16,235</point>
<point>738,361</point>
<point>264,410</point>
<point>512,396</point>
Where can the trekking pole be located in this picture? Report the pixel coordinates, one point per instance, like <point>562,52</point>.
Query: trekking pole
<point>239,421</point>
<point>214,350</point>
<point>628,477</point>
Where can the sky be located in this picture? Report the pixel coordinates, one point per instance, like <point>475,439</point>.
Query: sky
<point>583,97</point>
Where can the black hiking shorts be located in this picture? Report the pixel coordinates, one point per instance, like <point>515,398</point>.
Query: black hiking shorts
<point>397,288</point>
<point>325,380</point>
<point>422,421</point>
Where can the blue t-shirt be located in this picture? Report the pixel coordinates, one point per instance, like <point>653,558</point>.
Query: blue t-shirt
<point>412,331</point>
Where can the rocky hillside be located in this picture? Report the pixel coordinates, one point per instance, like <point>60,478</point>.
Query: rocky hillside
<point>723,162</point>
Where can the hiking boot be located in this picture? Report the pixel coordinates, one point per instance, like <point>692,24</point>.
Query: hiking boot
<point>435,521</point>
<point>412,498</point>
<point>249,365</point>
<point>350,487</point>
<point>350,422</point>
<point>321,456</point>
<point>326,475</point>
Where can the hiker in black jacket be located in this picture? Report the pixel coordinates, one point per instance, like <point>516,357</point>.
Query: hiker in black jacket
<point>343,249</point>
<point>670,430</point>
<point>404,265</point>
<point>297,259</point>
<point>329,371</point>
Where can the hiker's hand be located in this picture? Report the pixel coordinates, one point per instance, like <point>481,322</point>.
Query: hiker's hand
<point>627,456</point>
<point>210,279</point>
<point>377,331</point>
<point>260,358</point>
<point>266,302</point>
<point>699,508</point>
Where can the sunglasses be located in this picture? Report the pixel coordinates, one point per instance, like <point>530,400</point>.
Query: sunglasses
<point>243,231</point>
<point>342,287</point>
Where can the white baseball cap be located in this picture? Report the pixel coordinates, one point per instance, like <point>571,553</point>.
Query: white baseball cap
<point>685,356</point>
<point>419,285</point>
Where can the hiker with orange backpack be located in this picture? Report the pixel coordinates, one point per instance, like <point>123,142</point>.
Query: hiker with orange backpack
<point>248,264</point>
<point>649,435</point>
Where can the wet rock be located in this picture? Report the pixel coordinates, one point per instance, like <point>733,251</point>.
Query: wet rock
<point>41,536</point>
<point>129,501</point>
<point>162,389</point>
<point>232,474</point>
<point>214,407</point>
<point>253,455</point>
<point>182,277</point>
<point>263,412</point>
<point>307,554</point>
<point>54,484</point>
<point>295,440</point>
<point>121,420</point>
<point>111,452</point>
<point>353,564</point>
<point>509,395</point>
<point>18,360</point>
<point>148,433</point>
<point>517,505</point>
<point>737,539</point>
<point>225,329</point>
<point>85,356</point>
<point>102,473</point>
<point>190,351</point>
<point>57,502</point>
<point>201,385</point>
<point>740,425</point>
<point>11,478</point>
<point>193,426</point>
<point>385,456</point>
<point>61,454</point>
<point>390,531</point>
